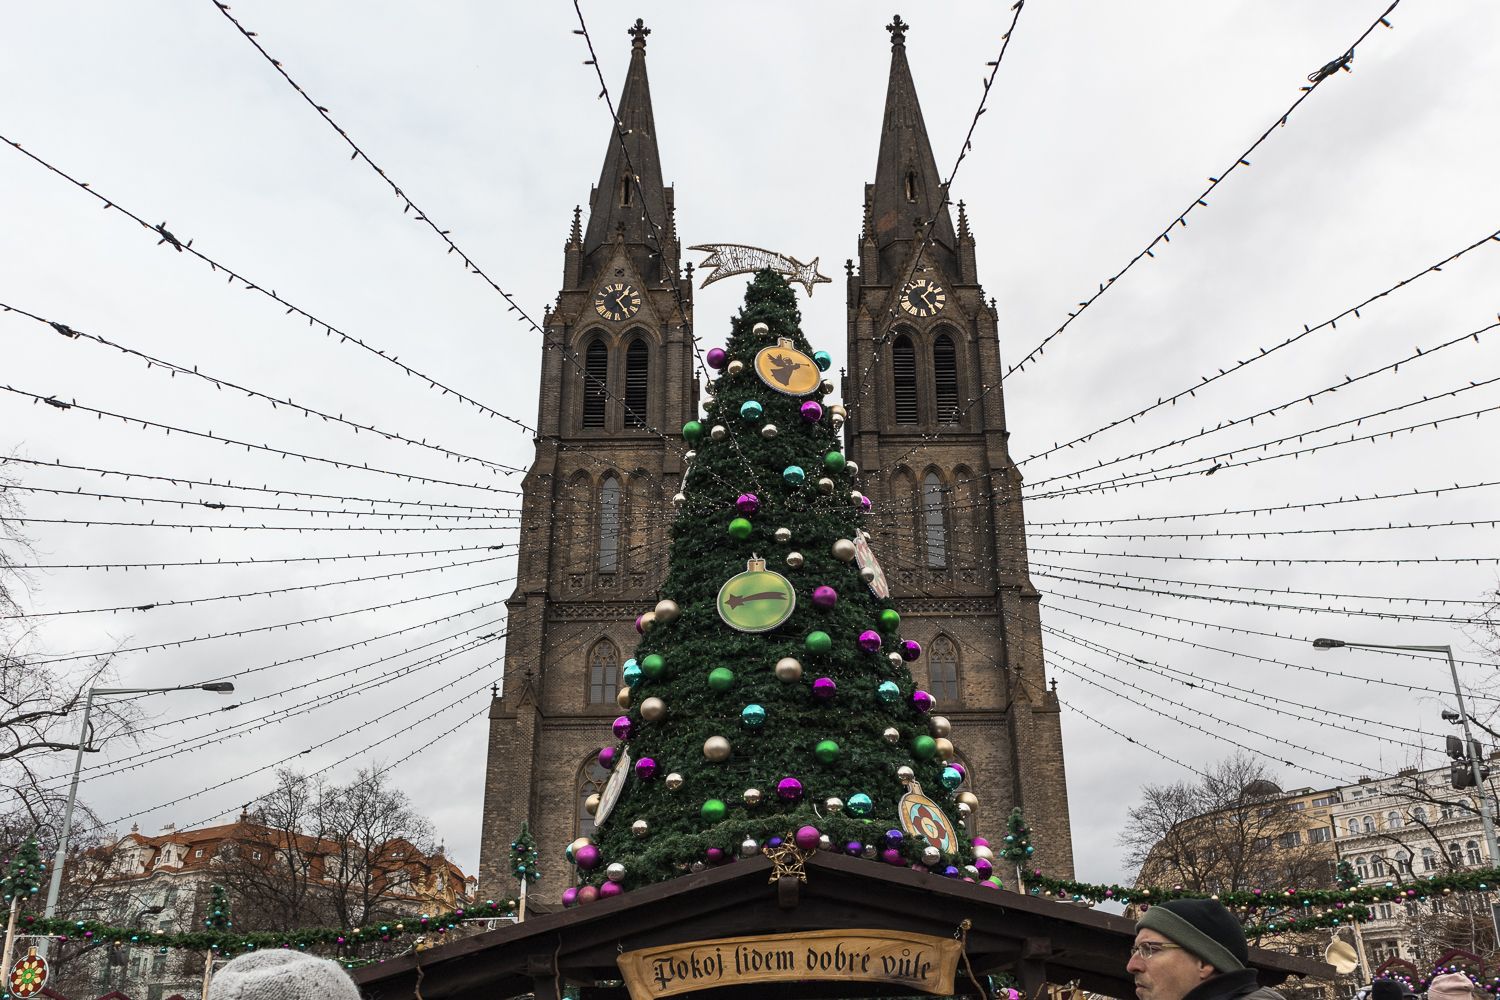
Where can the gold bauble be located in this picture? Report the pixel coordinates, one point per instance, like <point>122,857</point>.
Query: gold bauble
<point>622,698</point>
<point>640,828</point>
<point>752,796</point>
<point>825,485</point>
<point>647,620</point>
<point>591,804</point>
<point>768,431</point>
<point>944,745</point>
<point>838,421</point>
<point>980,851</point>
<point>794,560</point>
<point>653,710</point>
<point>736,366</point>
<point>761,330</point>
<point>788,669</point>
<point>667,611</point>
<point>580,842</point>
<point>827,387</point>
<point>716,749</point>
<point>783,535</point>
<point>852,468</point>
<point>718,432</point>
<point>837,409</point>
<point>867,574</point>
<point>891,734</point>
<point>969,799</point>
<point>673,781</point>
<point>939,725</point>
<point>843,550</point>
<point>833,806</point>
<point>905,773</point>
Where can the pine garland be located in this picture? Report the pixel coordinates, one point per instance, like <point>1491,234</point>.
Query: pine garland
<point>23,876</point>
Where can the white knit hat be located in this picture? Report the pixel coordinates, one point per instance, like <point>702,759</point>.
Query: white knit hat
<point>282,974</point>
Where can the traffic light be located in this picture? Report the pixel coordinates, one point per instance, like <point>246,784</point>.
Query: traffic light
<point>1461,774</point>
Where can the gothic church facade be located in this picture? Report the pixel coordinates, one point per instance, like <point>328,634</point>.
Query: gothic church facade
<point>618,380</point>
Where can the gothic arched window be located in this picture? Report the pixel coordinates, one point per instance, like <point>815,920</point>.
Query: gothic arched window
<point>609,525</point>
<point>904,375</point>
<point>942,670</point>
<point>637,382</point>
<point>595,384</point>
<point>945,378</point>
<point>911,185</point>
<point>604,673</point>
<point>591,779</point>
<point>934,527</point>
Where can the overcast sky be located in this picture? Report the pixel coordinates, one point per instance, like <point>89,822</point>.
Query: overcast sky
<point>1105,123</point>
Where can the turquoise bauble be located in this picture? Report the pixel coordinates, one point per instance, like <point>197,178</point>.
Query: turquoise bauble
<point>889,692</point>
<point>951,778</point>
<point>823,359</point>
<point>740,528</point>
<point>793,474</point>
<point>753,716</point>
<point>632,672</point>
<point>751,410</point>
<point>859,804</point>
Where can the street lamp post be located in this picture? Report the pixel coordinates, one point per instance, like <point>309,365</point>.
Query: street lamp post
<point>1486,813</point>
<point>54,887</point>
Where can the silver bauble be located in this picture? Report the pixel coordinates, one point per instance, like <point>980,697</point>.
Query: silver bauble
<point>838,421</point>
<point>894,658</point>
<point>667,611</point>
<point>647,620</point>
<point>825,843</point>
<point>698,866</point>
<point>891,734</point>
<point>783,535</point>
<point>640,828</point>
<point>749,847</point>
<point>843,550</point>
<point>678,499</point>
<point>837,409</point>
<point>716,749</point>
<point>591,804</point>
<point>852,468</point>
<point>653,710</point>
<point>673,781</point>
<point>689,455</point>
<point>760,330</point>
<point>855,496</point>
<point>938,725</point>
<point>980,851</point>
<point>971,871</point>
<point>752,796</point>
<point>825,485</point>
<point>708,387</point>
<point>833,805</point>
<point>931,856</point>
<point>827,387</point>
<point>736,366</point>
<point>794,560</point>
<point>868,851</point>
<point>905,773</point>
<point>622,698</point>
<point>964,809</point>
<point>788,669</point>
<point>768,431</point>
<point>615,872</point>
<point>867,574</point>
<point>718,432</point>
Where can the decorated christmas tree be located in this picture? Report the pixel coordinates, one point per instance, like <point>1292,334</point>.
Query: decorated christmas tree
<point>217,916</point>
<point>523,864</point>
<point>23,873</point>
<point>769,701</point>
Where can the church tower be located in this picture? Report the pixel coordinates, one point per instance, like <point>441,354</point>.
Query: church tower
<point>617,381</point>
<point>931,441</point>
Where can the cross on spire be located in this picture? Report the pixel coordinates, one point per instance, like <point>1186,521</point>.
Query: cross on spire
<point>897,28</point>
<point>639,32</point>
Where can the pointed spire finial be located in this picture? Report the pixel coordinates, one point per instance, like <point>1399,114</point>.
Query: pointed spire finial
<point>576,236</point>
<point>638,32</point>
<point>897,28</point>
<point>963,221</point>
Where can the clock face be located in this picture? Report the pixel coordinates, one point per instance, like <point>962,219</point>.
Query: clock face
<point>617,301</point>
<point>923,298</point>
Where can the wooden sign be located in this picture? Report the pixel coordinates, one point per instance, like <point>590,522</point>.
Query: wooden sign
<point>918,962</point>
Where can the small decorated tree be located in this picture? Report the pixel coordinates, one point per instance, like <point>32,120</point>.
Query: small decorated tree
<point>215,918</point>
<point>769,703</point>
<point>523,859</point>
<point>1018,849</point>
<point>23,879</point>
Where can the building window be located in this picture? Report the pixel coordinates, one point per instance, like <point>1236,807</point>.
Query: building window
<point>609,525</point>
<point>1354,828</point>
<point>1319,835</point>
<point>933,525</point>
<point>595,385</point>
<point>1377,866</point>
<point>625,187</point>
<point>198,852</point>
<point>911,185</point>
<point>1454,854</point>
<point>1393,820</point>
<point>945,378</point>
<point>1369,824</point>
<point>1403,862</point>
<point>942,670</point>
<point>1429,859</point>
<point>637,383</point>
<point>1473,850</point>
<point>1419,815</point>
<point>1292,838</point>
<point>255,855</point>
<point>1447,810</point>
<point>604,673</point>
<point>904,377</point>
<point>591,779</point>
<point>1362,868</point>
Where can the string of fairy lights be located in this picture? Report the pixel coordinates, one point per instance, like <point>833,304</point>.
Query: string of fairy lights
<point>508,519</point>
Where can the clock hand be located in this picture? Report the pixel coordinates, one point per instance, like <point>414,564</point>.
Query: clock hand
<point>735,600</point>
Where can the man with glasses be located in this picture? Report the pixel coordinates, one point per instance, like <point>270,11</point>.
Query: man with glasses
<point>1193,949</point>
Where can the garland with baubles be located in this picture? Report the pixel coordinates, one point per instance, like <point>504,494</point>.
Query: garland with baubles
<point>1478,880</point>
<point>23,873</point>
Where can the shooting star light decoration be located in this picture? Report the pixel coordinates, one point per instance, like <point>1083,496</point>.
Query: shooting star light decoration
<point>729,259</point>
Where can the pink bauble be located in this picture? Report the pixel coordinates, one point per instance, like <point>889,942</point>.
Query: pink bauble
<point>621,728</point>
<point>980,842</point>
<point>812,411</point>
<point>607,758</point>
<point>891,856</point>
<point>921,700</point>
<point>587,857</point>
<point>716,358</point>
<point>983,866</point>
<point>748,503</point>
<point>587,894</point>
<point>645,768</point>
<point>911,650</point>
<point>608,889</point>
<point>807,837</point>
<point>864,505</point>
<point>570,896</point>
<point>714,855</point>
<point>824,689</point>
<point>825,597</point>
<point>990,883</point>
<point>962,774</point>
<point>640,624</point>
<point>869,641</point>
<point>789,790</point>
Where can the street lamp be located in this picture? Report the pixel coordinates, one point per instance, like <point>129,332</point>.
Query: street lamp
<point>54,888</point>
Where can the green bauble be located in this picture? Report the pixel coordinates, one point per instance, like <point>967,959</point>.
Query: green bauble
<point>740,528</point>
<point>827,751</point>
<point>692,431</point>
<point>833,461</point>
<point>819,642</point>
<point>653,666</point>
<point>923,747</point>
<point>890,621</point>
<point>721,678</point>
<point>713,810</point>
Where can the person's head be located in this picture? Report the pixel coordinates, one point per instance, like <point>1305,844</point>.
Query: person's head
<point>1451,986</point>
<point>282,975</point>
<point>1179,944</point>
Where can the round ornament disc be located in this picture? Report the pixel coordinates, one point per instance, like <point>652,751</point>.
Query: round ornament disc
<point>787,370</point>
<point>924,818</point>
<point>756,600</point>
